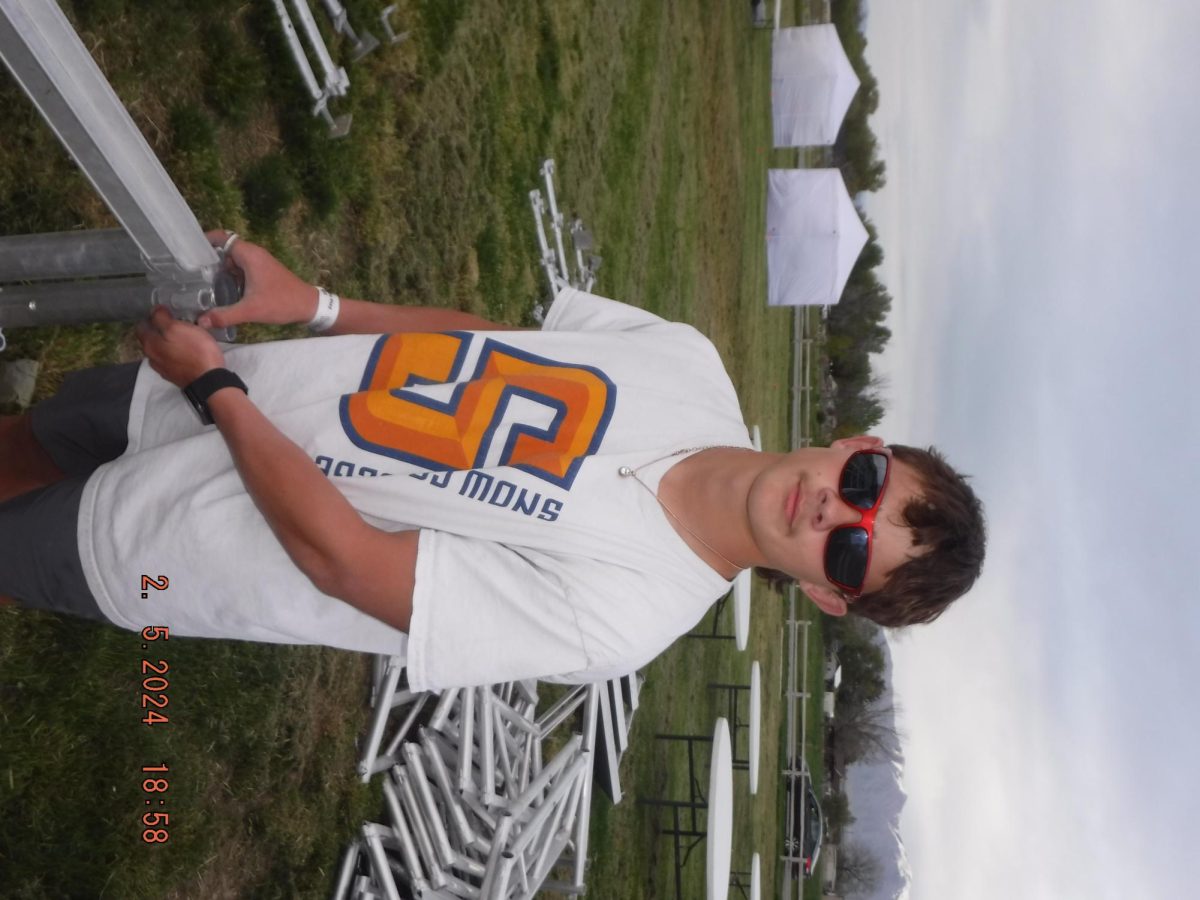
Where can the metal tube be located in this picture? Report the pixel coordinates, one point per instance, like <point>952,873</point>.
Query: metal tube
<point>565,757</point>
<point>69,254</point>
<point>445,706</point>
<point>540,878</point>
<point>466,741</point>
<point>337,13</point>
<point>556,218</point>
<point>546,260</point>
<point>487,750</point>
<point>590,715</point>
<point>441,777</point>
<point>457,888</point>
<point>472,867</point>
<point>306,73</point>
<point>554,716</point>
<point>392,801</point>
<point>74,302</point>
<point>528,690</point>
<point>582,823</point>
<point>516,719</point>
<point>576,797</point>
<point>482,842</point>
<point>620,730</point>
<point>383,706</point>
<point>527,756</point>
<point>532,826</point>
<point>566,808</point>
<point>502,751</point>
<point>336,82</point>
<point>371,834</point>
<point>499,885</point>
<point>424,796</point>
<point>424,841</point>
<point>402,696</point>
<point>406,725</point>
<point>346,871</point>
<point>499,840</point>
<point>379,664</point>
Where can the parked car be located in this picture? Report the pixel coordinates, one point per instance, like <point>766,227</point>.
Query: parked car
<point>808,826</point>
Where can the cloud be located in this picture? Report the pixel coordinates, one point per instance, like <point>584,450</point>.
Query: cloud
<point>1041,178</point>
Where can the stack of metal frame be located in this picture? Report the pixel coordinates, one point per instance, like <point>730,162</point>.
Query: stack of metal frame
<point>554,260</point>
<point>486,799</point>
<point>334,82</point>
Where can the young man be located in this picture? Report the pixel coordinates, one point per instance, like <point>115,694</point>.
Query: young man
<point>493,503</point>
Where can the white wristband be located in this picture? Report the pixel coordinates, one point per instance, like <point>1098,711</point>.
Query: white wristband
<point>328,305</point>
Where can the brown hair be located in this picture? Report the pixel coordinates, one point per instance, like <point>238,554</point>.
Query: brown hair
<point>947,518</point>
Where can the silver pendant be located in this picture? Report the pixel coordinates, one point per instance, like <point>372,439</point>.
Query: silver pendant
<point>624,471</point>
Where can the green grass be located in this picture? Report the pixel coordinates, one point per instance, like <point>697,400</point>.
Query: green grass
<point>657,116</point>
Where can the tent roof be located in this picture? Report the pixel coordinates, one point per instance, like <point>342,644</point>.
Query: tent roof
<point>814,236</point>
<point>812,84</point>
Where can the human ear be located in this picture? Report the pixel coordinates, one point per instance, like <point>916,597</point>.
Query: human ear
<point>828,600</point>
<point>858,442</point>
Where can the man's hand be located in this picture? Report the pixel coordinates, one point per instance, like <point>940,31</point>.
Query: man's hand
<point>272,294</point>
<point>178,351</point>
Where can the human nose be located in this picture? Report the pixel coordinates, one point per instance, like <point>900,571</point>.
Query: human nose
<point>834,512</point>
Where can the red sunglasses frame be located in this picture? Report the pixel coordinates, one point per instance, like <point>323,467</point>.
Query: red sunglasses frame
<point>866,519</point>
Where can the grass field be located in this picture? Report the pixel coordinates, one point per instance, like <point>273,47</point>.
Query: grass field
<point>656,112</point>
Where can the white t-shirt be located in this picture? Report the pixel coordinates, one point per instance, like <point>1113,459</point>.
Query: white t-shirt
<point>535,558</point>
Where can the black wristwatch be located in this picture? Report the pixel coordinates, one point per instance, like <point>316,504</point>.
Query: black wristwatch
<point>208,384</point>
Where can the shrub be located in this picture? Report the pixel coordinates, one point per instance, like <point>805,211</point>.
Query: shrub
<point>268,189</point>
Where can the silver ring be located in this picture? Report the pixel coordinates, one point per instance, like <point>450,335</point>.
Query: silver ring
<point>233,236</point>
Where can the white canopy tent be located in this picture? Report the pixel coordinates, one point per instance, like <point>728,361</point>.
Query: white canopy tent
<point>812,84</point>
<point>814,236</point>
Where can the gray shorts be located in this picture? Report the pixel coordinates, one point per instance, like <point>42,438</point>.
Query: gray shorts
<point>81,427</point>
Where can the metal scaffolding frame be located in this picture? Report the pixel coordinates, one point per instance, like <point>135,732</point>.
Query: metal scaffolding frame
<point>160,255</point>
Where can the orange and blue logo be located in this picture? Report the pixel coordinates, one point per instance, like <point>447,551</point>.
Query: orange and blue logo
<point>487,408</point>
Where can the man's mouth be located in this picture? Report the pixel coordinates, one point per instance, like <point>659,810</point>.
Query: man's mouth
<point>793,502</point>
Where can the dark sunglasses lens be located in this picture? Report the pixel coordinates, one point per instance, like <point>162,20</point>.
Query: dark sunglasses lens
<point>862,479</point>
<point>846,556</point>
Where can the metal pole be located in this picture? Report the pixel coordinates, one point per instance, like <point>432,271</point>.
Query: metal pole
<point>72,302</point>
<point>51,64</point>
<point>556,218</point>
<point>338,127</point>
<point>547,260</point>
<point>336,80</point>
<point>69,254</point>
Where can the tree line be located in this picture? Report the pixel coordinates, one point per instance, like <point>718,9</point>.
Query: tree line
<point>854,327</point>
<point>863,729</point>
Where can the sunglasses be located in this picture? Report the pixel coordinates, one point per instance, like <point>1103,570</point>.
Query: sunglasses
<point>848,547</point>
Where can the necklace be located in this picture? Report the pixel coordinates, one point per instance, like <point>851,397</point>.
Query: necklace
<point>627,472</point>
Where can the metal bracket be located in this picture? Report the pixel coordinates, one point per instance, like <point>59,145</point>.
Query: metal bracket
<point>360,46</point>
<point>385,20</point>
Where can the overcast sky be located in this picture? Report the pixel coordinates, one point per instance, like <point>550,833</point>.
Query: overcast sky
<point>1039,225</point>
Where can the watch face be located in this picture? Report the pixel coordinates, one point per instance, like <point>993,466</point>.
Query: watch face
<point>198,405</point>
<point>203,387</point>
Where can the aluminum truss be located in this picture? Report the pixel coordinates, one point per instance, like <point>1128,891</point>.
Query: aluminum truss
<point>474,810</point>
<point>334,81</point>
<point>161,256</point>
<point>554,260</point>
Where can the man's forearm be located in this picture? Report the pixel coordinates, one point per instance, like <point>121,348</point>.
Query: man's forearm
<point>362,317</point>
<point>341,554</point>
<point>307,513</point>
